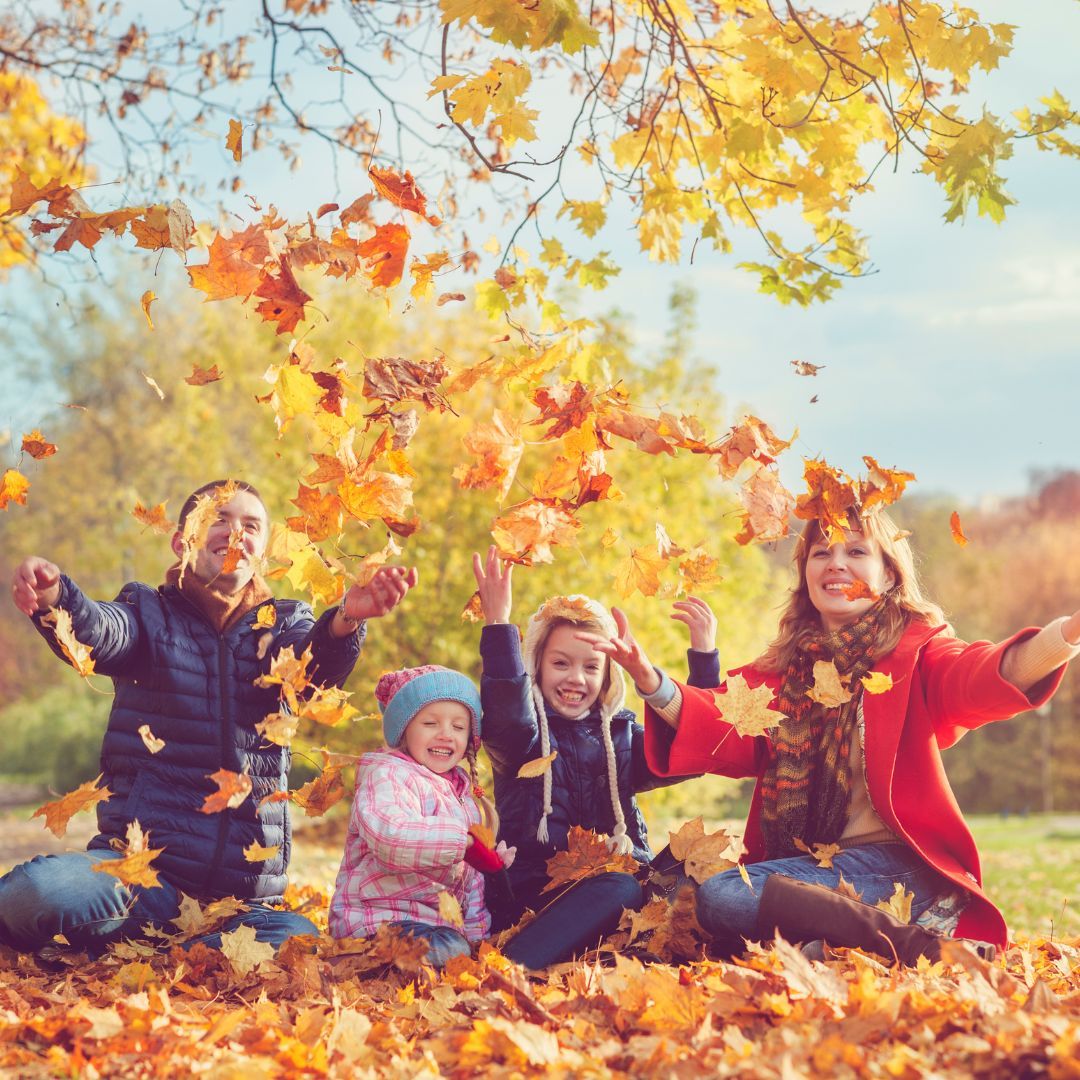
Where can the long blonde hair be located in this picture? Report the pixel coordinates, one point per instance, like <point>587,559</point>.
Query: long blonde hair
<point>904,602</point>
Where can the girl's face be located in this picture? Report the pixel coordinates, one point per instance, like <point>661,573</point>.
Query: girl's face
<point>832,571</point>
<point>438,735</point>
<point>571,673</point>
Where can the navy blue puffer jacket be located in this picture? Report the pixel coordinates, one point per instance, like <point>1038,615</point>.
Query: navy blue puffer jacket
<point>195,689</point>
<point>579,790</point>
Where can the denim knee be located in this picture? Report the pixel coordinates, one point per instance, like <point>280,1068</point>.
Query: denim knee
<point>727,906</point>
<point>614,891</point>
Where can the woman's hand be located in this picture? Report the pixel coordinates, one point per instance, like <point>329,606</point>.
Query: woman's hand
<point>493,582</point>
<point>699,617</point>
<point>626,652</point>
<point>378,597</point>
<point>35,585</point>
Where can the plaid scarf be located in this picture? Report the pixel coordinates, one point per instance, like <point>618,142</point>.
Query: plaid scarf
<point>807,788</point>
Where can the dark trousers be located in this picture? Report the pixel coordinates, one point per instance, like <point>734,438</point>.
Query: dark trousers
<point>576,920</point>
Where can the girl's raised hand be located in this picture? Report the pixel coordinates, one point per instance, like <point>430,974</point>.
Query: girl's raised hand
<point>702,622</point>
<point>626,652</point>
<point>493,582</point>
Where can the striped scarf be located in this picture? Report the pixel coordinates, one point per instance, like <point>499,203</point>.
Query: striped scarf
<point>807,787</point>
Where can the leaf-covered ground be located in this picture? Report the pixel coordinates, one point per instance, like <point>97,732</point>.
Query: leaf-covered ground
<point>366,1010</point>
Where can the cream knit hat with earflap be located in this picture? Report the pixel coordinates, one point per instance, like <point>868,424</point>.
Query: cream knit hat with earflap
<point>578,609</point>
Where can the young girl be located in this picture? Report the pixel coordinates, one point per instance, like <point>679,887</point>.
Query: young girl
<point>558,694</point>
<point>866,774</point>
<point>409,837</point>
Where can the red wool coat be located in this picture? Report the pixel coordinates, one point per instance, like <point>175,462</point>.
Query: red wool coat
<point>942,688</point>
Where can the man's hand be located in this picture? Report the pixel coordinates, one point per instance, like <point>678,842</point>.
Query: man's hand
<point>379,596</point>
<point>493,582</point>
<point>35,585</point>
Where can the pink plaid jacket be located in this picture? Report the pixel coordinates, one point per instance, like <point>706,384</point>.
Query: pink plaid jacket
<point>406,844</point>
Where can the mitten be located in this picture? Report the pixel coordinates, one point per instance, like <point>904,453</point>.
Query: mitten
<point>483,858</point>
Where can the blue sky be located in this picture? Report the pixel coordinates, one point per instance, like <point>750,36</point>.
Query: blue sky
<point>956,361</point>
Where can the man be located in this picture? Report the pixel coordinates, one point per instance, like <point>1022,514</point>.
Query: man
<point>184,659</point>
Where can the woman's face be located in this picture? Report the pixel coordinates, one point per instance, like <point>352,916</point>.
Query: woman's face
<point>833,573</point>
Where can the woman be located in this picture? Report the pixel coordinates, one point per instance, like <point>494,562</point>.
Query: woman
<point>865,775</point>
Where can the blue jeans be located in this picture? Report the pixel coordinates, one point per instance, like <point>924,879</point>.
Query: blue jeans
<point>443,941</point>
<point>727,908</point>
<point>63,894</point>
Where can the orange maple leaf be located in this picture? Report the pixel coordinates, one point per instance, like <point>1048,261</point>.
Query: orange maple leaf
<point>402,191</point>
<point>233,789</point>
<point>154,517</point>
<point>585,856</point>
<point>318,795</point>
<point>385,253</point>
<point>235,267</point>
<point>829,498</point>
<point>35,445</point>
<point>393,379</point>
<point>285,299</point>
<point>234,141</point>
<point>768,505</point>
<point>201,376</point>
<point>526,534</point>
<point>13,488</point>
<point>24,192</point>
<point>320,515</point>
<point>751,439</point>
<point>569,404</point>
<point>58,813</point>
<point>882,486</point>
<point>954,526</point>
<point>499,447</point>
<point>134,868</point>
<point>358,210</point>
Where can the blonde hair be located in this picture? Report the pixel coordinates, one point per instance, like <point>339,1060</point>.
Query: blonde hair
<point>904,602</point>
<point>489,816</point>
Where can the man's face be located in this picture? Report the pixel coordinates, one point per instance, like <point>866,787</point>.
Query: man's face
<point>234,545</point>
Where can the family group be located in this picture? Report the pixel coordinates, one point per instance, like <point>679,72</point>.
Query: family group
<point>864,776</point>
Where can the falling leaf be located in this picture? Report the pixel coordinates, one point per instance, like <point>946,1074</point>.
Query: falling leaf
<point>639,572</point>
<point>35,445</point>
<point>233,789</point>
<point>234,141</point>
<point>13,488</point>
<point>244,951</point>
<point>265,617</point>
<point>803,367</point>
<point>698,571</point>
<point>473,611</point>
<point>882,486</point>
<point>748,710</point>
<point>537,767</point>
<point>235,265</point>
<point>385,253</point>
<point>828,688</point>
<point>527,533</point>
<point>150,740</point>
<point>822,854</point>
<point>767,507</point>
<point>290,673</point>
<point>145,301</point>
<point>76,653</point>
<point>877,682</point>
<point>498,446</point>
<point>328,788</point>
<point>957,530</point>
<point>448,298</point>
<point>278,728</point>
<point>450,910</point>
<point>898,905</point>
<point>257,853</point>
<point>586,855</point>
<point>284,299</point>
<point>858,590</point>
<point>153,385</point>
<point>704,855</point>
<point>402,191</point>
<point>666,548</point>
<point>610,538</point>
<point>134,868</point>
<point>201,376</point>
<point>154,517</point>
<point>57,814</point>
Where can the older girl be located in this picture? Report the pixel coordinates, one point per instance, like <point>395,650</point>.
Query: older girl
<point>866,774</point>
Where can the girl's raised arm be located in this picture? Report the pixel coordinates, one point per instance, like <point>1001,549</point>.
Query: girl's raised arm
<point>493,582</point>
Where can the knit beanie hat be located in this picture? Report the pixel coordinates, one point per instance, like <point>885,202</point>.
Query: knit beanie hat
<point>577,608</point>
<point>402,694</point>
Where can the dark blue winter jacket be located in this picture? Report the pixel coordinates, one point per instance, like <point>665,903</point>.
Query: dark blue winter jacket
<point>579,788</point>
<point>195,690</point>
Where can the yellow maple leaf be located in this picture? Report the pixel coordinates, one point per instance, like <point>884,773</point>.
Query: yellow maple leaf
<point>639,572</point>
<point>290,673</point>
<point>898,904</point>
<point>244,951</point>
<point>13,488</point>
<point>748,710</point>
<point>704,854</point>
<point>233,789</point>
<point>134,868</point>
<point>257,853</point>
<point>450,909</point>
<point>154,517</point>
<point>278,728</point>
<point>58,813</point>
<point>309,571</point>
<point>265,617</point>
<point>537,767</point>
<point>877,682</point>
<point>328,705</point>
<point>150,740</point>
<point>823,854</point>
<point>828,688</point>
<point>78,654</point>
